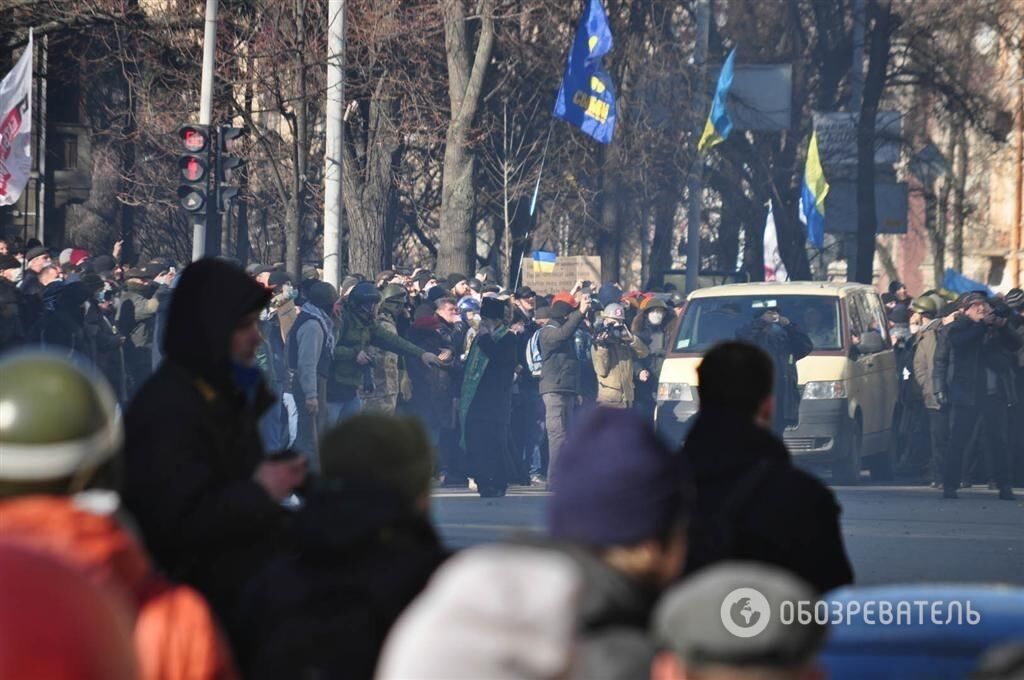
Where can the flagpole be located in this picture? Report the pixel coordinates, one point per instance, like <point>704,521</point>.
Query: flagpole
<point>533,203</point>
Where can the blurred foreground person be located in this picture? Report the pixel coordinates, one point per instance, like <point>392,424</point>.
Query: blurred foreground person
<point>621,514</point>
<point>690,627</point>
<point>365,547</point>
<point>494,612</point>
<point>752,502</point>
<point>56,624</point>
<point>207,500</point>
<point>59,438</point>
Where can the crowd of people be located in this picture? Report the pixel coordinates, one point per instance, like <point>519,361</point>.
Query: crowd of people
<point>495,375</point>
<point>962,360</point>
<point>247,486</point>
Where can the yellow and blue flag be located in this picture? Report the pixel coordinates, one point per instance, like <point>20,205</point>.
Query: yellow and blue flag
<point>586,98</point>
<point>812,195</point>
<point>544,261</point>
<point>719,124</point>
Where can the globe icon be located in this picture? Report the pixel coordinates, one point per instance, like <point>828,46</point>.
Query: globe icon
<point>743,613</point>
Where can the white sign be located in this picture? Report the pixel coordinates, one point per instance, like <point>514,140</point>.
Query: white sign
<point>837,137</point>
<point>16,128</point>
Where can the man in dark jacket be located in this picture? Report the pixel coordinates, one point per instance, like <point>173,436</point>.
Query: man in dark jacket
<point>982,387</point>
<point>196,479</point>
<point>310,347</point>
<point>365,549</point>
<point>752,502</point>
<point>486,402</point>
<point>12,330</point>
<point>527,407</point>
<point>560,372</point>
<point>785,344</point>
<point>136,318</point>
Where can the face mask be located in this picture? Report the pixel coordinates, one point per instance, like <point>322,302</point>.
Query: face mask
<point>656,318</point>
<point>289,291</point>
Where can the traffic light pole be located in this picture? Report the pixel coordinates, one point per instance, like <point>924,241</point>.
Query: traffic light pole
<point>205,114</point>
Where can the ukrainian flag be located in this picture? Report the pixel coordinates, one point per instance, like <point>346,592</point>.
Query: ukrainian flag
<point>586,98</point>
<point>812,195</point>
<point>719,124</point>
<point>544,261</point>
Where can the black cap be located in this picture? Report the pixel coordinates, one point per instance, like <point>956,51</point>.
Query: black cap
<point>35,252</point>
<point>279,279</point>
<point>9,262</point>
<point>525,293</point>
<point>972,299</point>
<point>261,269</point>
<point>492,308</point>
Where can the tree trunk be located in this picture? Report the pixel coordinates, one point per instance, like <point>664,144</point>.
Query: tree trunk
<point>874,84</point>
<point>369,189</point>
<point>293,261</point>
<point>465,86</point>
<point>664,228</point>
<point>960,197</point>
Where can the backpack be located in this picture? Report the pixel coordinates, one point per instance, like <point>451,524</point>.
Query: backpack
<point>534,359</point>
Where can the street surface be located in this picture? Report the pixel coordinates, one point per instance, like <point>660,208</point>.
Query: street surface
<point>893,533</point>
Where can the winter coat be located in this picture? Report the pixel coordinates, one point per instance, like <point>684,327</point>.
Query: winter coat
<point>613,363</point>
<point>308,358</point>
<point>362,555</point>
<point>613,615</point>
<point>560,364</point>
<point>356,335</point>
<point>12,332</point>
<point>525,382</point>
<point>63,327</point>
<point>976,349</point>
<point>385,364</point>
<point>782,515</point>
<point>433,388</point>
<point>785,347</point>
<point>924,362</point>
<point>657,340</point>
<point>136,313</point>
<point>175,634</point>
<point>107,342</point>
<point>192,444</point>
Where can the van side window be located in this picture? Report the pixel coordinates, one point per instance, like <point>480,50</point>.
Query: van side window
<point>864,325</point>
<point>879,316</point>
<point>858,315</point>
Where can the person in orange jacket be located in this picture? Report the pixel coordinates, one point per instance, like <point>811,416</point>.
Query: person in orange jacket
<point>60,435</point>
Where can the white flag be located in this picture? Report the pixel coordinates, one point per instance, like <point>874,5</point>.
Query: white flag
<point>774,269</point>
<point>16,128</point>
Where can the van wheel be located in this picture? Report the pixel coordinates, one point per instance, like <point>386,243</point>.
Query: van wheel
<point>883,465</point>
<point>847,471</point>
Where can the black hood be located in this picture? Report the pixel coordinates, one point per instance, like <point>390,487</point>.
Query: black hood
<point>723,445</point>
<point>210,300</point>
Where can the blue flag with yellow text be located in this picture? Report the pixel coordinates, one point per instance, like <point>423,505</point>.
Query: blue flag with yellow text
<point>719,124</point>
<point>586,98</point>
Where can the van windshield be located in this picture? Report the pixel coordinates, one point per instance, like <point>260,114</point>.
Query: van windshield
<point>711,320</point>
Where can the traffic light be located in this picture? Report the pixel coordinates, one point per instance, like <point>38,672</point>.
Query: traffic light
<point>227,164</point>
<point>193,166</point>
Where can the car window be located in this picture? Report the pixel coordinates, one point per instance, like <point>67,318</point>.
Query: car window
<point>707,321</point>
<point>879,315</point>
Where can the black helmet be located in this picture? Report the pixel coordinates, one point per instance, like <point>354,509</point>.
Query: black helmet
<point>364,296</point>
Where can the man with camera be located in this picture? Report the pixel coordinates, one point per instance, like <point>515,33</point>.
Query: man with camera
<point>615,348</point>
<point>982,386</point>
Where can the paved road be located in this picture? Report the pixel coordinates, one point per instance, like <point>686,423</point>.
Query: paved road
<point>893,533</point>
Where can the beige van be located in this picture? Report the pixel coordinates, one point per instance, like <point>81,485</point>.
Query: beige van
<point>849,384</point>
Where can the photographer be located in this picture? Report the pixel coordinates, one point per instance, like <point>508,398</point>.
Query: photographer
<point>615,348</point>
<point>982,387</point>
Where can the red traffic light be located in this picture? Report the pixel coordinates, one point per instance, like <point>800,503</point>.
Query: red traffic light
<point>193,168</point>
<point>194,138</point>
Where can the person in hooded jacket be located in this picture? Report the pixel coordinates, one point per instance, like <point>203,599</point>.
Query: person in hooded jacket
<point>63,322</point>
<point>653,325</point>
<point>752,503</point>
<point>786,344</point>
<point>365,548</point>
<point>310,347</point>
<point>387,368</point>
<point>196,478</point>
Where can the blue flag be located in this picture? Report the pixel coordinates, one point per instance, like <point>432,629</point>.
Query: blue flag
<point>586,98</point>
<point>813,191</point>
<point>719,124</point>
